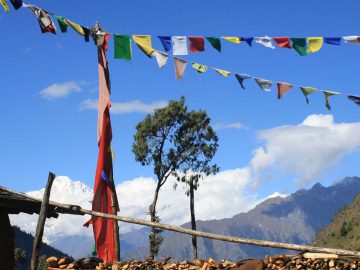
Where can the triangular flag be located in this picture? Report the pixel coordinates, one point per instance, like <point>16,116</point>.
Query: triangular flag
<point>122,47</point>
<point>166,42</point>
<point>306,90</point>
<point>196,44</point>
<point>5,5</point>
<point>77,28</point>
<point>282,42</point>
<point>314,44</point>
<point>299,45</point>
<point>332,40</point>
<point>200,68</point>
<point>161,58</point>
<point>265,41</point>
<point>241,78</point>
<point>16,3</point>
<point>215,42</point>
<point>355,99</point>
<point>283,88</point>
<point>264,84</point>
<point>352,39</point>
<point>180,66</point>
<point>328,94</point>
<point>179,45</point>
<point>236,40</point>
<point>62,24</point>
<point>248,40</point>
<point>222,72</point>
<point>144,43</point>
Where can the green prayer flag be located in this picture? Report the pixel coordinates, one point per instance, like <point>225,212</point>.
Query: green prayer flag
<point>328,94</point>
<point>199,68</point>
<point>62,23</point>
<point>299,45</point>
<point>307,91</point>
<point>122,47</point>
<point>215,42</point>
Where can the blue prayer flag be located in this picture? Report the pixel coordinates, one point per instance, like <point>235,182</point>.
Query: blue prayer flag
<point>248,40</point>
<point>332,40</point>
<point>104,177</point>
<point>166,42</point>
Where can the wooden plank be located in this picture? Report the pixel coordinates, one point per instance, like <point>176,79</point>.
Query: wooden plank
<point>41,223</point>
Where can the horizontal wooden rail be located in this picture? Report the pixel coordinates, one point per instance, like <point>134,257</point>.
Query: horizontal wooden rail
<point>77,210</point>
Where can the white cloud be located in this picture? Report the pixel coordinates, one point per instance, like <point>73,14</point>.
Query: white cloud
<point>135,106</point>
<point>60,90</point>
<point>306,150</point>
<point>234,125</point>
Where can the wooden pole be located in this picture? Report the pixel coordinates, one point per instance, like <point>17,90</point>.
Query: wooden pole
<point>77,210</point>
<point>41,223</point>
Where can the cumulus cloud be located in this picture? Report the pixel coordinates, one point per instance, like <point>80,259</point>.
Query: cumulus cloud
<point>306,150</point>
<point>135,106</point>
<point>234,125</point>
<point>60,90</point>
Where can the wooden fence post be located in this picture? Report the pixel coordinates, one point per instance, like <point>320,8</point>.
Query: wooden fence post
<point>41,223</point>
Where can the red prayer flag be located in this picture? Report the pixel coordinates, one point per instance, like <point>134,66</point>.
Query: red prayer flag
<point>196,44</point>
<point>102,202</point>
<point>283,88</point>
<point>283,42</point>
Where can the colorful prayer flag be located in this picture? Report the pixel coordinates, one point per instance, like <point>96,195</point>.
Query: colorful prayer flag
<point>328,94</point>
<point>62,24</point>
<point>5,5</point>
<point>144,43</point>
<point>236,40</point>
<point>332,40</point>
<point>44,20</point>
<point>264,84</point>
<point>103,201</point>
<point>222,72</point>
<point>122,47</point>
<point>77,28</point>
<point>282,42</point>
<point>215,42</point>
<point>166,42</point>
<point>248,40</point>
<point>161,58</point>
<point>180,66</point>
<point>283,88</point>
<point>196,44</point>
<point>200,68</point>
<point>265,41</point>
<point>352,39</point>
<point>241,78</point>
<point>355,99</point>
<point>314,44</point>
<point>16,3</point>
<point>299,45</point>
<point>306,90</point>
<point>86,33</point>
<point>179,45</point>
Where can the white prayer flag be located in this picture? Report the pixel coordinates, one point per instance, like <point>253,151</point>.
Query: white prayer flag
<point>179,45</point>
<point>161,58</point>
<point>265,41</point>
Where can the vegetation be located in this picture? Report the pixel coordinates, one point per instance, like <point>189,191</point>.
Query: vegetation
<point>20,256</point>
<point>344,230</point>
<point>176,141</point>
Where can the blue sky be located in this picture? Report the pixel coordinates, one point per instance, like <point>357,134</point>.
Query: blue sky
<point>39,134</point>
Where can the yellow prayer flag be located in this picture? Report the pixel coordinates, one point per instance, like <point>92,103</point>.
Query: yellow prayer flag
<point>5,5</point>
<point>78,29</point>
<point>113,156</point>
<point>222,72</point>
<point>314,44</point>
<point>144,43</point>
<point>236,40</point>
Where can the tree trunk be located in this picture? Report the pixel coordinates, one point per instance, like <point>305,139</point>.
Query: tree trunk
<point>193,221</point>
<point>152,236</point>
<point>7,249</point>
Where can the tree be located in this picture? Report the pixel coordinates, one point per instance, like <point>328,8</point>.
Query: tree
<point>20,256</point>
<point>175,141</point>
